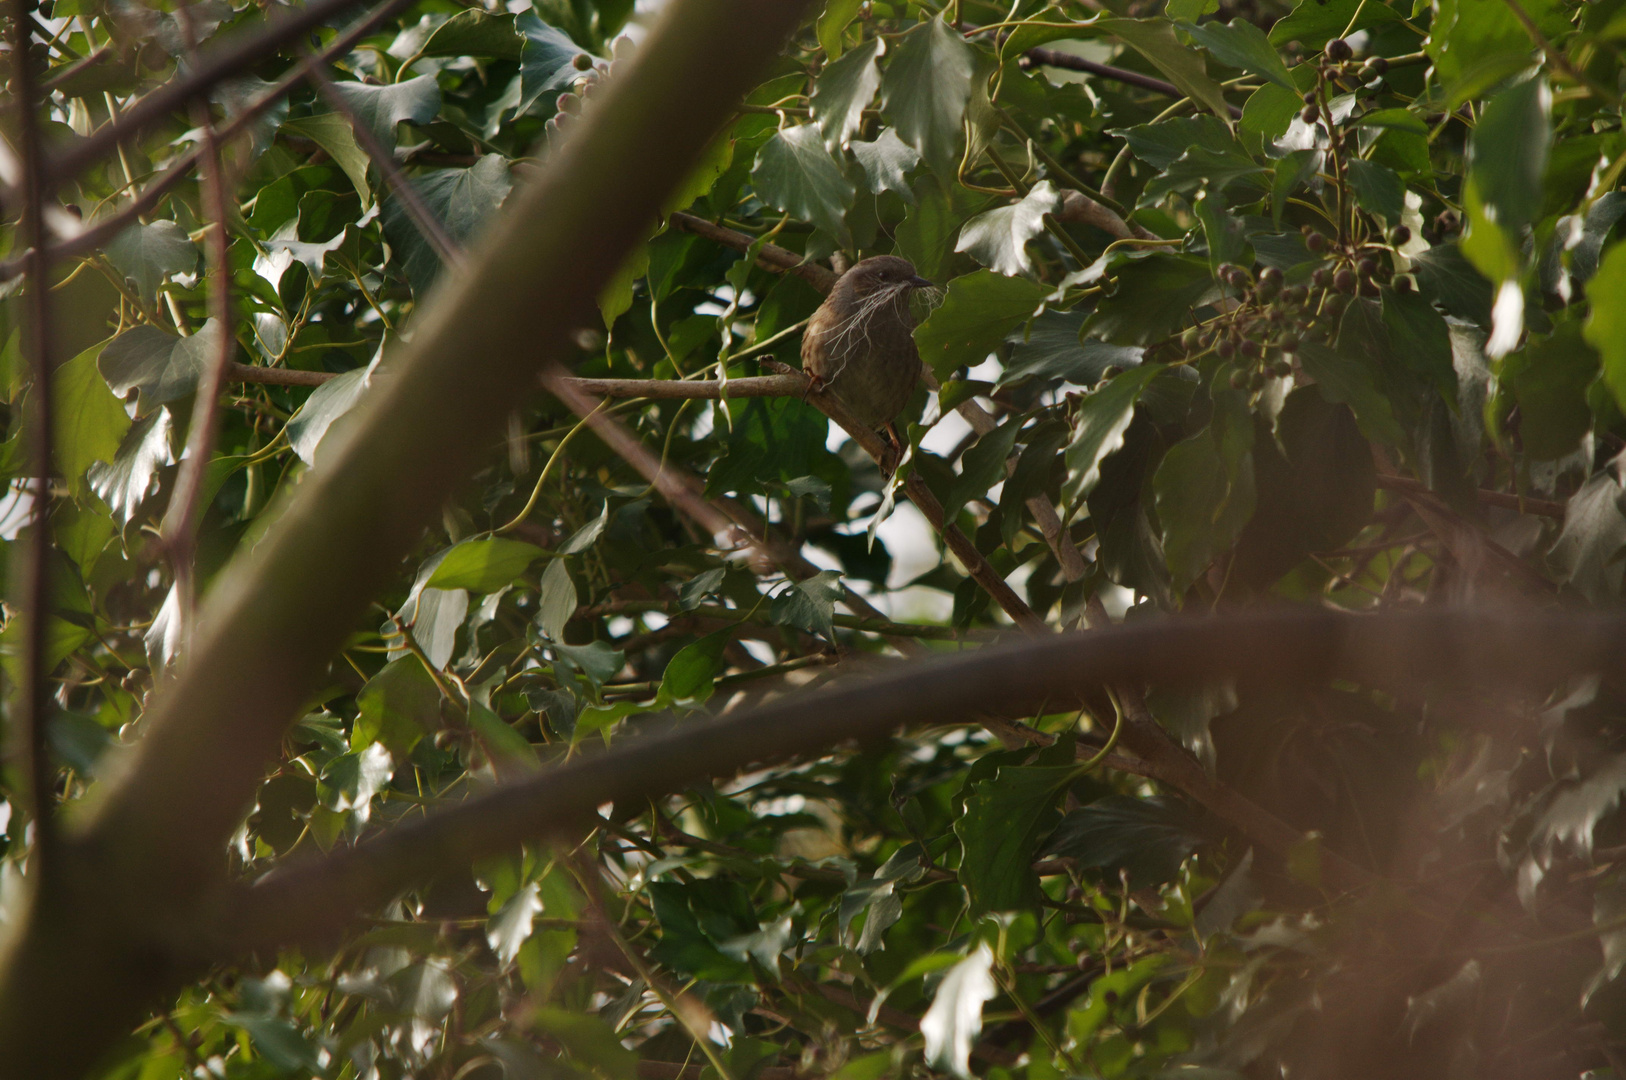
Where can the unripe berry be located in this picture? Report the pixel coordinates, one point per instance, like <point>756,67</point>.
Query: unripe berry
<point>1239,380</point>
<point>582,62</point>
<point>1400,236</point>
<point>1282,368</point>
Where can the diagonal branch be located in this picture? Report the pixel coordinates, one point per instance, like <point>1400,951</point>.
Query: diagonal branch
<point>82,964</point>
<point>311,902</point>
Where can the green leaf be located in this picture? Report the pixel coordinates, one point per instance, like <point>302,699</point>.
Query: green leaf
<point>159,367</point>
<point>844,90</point>
<point>461,199</point>
<point>1205,490</point>
<point>1377,189</point>
<point>690,672</point>
<point>1149,838</point>
<point>1159,145</point>
<point>1348,382</point>
<point>145,254</point>
<point>381,108</point>
<point>954,1020</point>
<point>279,1042</point>
<point>1155,40</point>
<point>1201,167</point>
<point>589,1040</point>
<point>350,781</point>
<point>1507,153</point>
<point>1605,326</point>
<point>1549,378</point>
<point>547,59</point>
<point>998,238</point>
<point>1099,427</point>
<point>810,604</point>
<point>1053,349</point>
<point>506,747</point>
<point>615,299</point>
<point>509,928</point>
<point>886,163</point>
<point>1469,38</point>
<point>1153,296</point>
<point>125,482</point>
<point>333,133</point>
<point>981,467</point>
<point>1420,340</point>
<point>397,707</point>
<point>598,660</point>
<point>833,23</point>
<point>795,173</point>
<point>1292,170</point>
<point>484,566</point>
<point>557,603</point>
<point>326,404</point>
<point>976,314</point>
<point>1240,44</point>
<point>1004,821</point>
<point>925,91</point>
<point>90,423</point>
<point>476,33</point>
<point>1312,23</point>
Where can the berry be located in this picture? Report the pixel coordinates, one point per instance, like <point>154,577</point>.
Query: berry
<point>1400,236</point>
<point>1319,277</point>
<point>1225,349</point>
<point>1338,49</point>
<point>1403,285</point>
<point>1251,350</point>
<point>1310,114</point>
<point>1239,379</point>
<point>1367,266</point>
<point>1315,242</point>
<point>1309,97</point>
<point>582,62</point>
<point>1191,339</point>
<point>1377,65</point>
<point>1288,343</point>
<point>1282,368</point>
<point>1293,295</point>
<point>1344,280</point>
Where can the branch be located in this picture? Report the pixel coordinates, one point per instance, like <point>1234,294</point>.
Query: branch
<point>1539,507</point>
<point>85,961</point>
<point>770,257</point>
<point>1069,62</point>
<point>310,902</point>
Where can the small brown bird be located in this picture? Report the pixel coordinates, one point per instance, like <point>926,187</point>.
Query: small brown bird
<point>860,344</point>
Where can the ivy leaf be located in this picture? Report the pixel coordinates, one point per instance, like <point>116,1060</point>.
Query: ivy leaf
<point>1587,551</point>
<point>397,707</point>
<point>689,674</point>
<point>547,59</point>
<point>1204,490</point>
<point>885,163</point>
<point>1200,167</point>
<point>350,781</point>
<point>509,928</point>
<point>1470,41</point>
<point>159,367</point>
<point>127,480</point>
<point>557,604</point>
<point>598,660</point>
<point>1312,23</point>
<point>145,254</point>
<point>474,32</point>
<point>90,423</point>
<point>981,467</point>
<point>1153,296</point>
<point>1099,427</point>
<point>925,91</point>
<point>1160,144</point>
<point>381,108</point>
<point>809,604</point>
<point>795,173</point>
<point>1053,349</point>
<point>1155,40</point>
<point>1004,821</point>
<point>1605,326</point>
<point>1377,189</point>
<point>1549,378</point>
<point>844,90</point>
<point>1348,382</point>
<point>979,309</point>
<point>1240,44</point>
<point>484,566</point>
<point>334,134</point>
<point>838,14</point>
<point>1507,153</point>
<point>998,238</point>
<point>462,200</point>
<point>954,1020</point>
<point>326,404</point>
<point>1149,838</point>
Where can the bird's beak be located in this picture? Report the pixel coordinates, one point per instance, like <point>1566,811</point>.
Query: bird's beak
<point>919,282</point>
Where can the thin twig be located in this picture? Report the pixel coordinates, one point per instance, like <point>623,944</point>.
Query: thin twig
<point>1069,62</point>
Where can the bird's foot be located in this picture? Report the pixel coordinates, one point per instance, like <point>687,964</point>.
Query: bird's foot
<point>815,385</point>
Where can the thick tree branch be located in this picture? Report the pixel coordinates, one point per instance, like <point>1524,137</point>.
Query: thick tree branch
<point>309,903</point>
<point>78,971</point>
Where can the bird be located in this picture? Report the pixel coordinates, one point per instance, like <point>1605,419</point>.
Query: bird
<point>860,346</point>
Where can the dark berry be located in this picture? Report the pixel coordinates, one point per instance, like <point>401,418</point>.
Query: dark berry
<point>1344,280</point>
<point>1367,266</point>
<point>1319,277</point>
<point>1338,49</point>
<point>1310,114</point>
<point>1225,349</point>
<point>582,62</point>
<point>1239,380</point>
<point>1309,97</point>
<point>1282,368</point>
<point>1400,236</point>
<point>1377,65</point>
<point>1288,343</point>
<point>1315,242</point>
<point>1403,285</point>
<point>1251,349</point>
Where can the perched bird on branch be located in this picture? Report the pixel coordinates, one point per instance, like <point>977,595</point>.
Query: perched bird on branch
<point>860,344</point>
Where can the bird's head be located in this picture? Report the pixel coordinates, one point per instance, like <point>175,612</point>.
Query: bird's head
<point>882,273</point>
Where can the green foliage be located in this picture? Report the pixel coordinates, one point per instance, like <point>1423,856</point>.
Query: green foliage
<point>1339,324</point>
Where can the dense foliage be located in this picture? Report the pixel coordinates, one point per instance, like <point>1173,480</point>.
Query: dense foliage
<point>1315,305</point>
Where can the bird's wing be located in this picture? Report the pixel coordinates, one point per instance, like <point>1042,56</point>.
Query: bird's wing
<point>813,343</point>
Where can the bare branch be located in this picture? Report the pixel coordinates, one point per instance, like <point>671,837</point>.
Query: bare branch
<point>310,902</point>
<point>1054,58</point>
<point>770,257</point>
